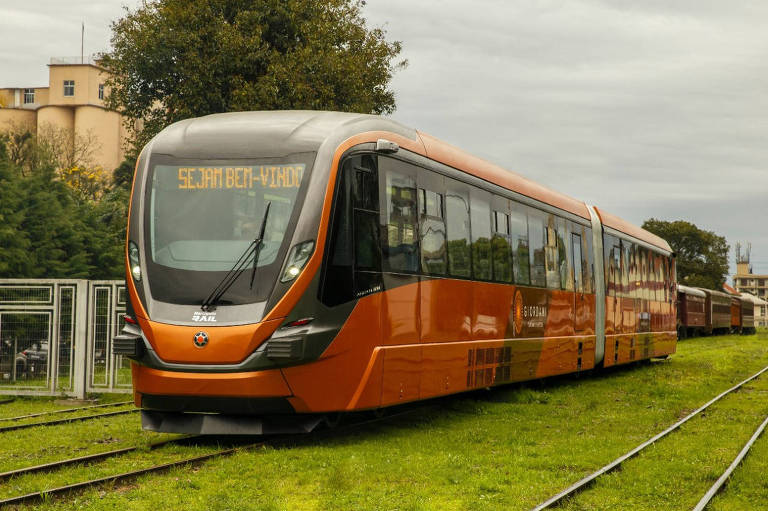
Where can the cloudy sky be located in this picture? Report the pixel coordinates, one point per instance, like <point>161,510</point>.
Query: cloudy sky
<point>648,109</point>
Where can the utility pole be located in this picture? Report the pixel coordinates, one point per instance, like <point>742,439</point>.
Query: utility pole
<point>82,42</point>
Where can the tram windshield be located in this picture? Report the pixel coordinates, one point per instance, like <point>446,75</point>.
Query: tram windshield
<point>201,217</point>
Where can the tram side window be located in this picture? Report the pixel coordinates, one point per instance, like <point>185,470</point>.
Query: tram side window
<point>643,258</point>
<point>538,239</point>
<point>577,263</point>
<point>551,255</point>
<point>432,232</point>
<point>518,228</point>
<point>357,174</point>
<point>400,244</point>
<point>501,248</point>
<point>610,264</point>
<point>632,265</point>
<point>588,260</point>
<point>564,254</point>
<point>481,234</point>
<point>659,278</point>
<point>625,289</point>
<point>366,205</point>
<point>457,220</point>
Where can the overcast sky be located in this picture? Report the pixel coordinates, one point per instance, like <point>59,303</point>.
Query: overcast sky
<point>648,109</point>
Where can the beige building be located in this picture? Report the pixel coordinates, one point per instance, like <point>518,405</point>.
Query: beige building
<point>747,282</point>
<point>756,285</point>
<point>73,101</point>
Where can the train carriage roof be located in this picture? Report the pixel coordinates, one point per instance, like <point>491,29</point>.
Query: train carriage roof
<point>718,294</point>
<point>691,291</point>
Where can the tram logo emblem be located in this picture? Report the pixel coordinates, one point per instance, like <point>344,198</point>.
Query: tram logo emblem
<point>517,312</point>
<point>209,317</point>
<point>200,339</point>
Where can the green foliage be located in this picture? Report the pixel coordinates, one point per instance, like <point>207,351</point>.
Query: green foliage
<point>702,256</point>
<point>175,59</point>
<point>13,240</point>
<point>47,230</point>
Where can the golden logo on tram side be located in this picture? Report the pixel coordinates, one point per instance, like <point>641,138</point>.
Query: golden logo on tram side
<point>517,307</point>
<point>225,178</point>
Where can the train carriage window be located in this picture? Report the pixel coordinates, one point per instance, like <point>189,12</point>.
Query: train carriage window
<point>501,222</point>
<point>367,252</point>
<point>500,243</point>
<point>400,244</point>
<point>610,264</point>
<point>643,253</point>
<point>616,265</point>
<point>588,260</point>
<point>518,228</point>
<point>366,189</point>
<point>432,225</point>
<point>632,270</point>
<point>457,224</point>
<point>625,289</point>
<point>577,263</point>
<point>658,279</point>
<point>353,235</point>
<point>551,255</point>
<point>538,239</point>
<point>481,234</point>
<point>564,254</point>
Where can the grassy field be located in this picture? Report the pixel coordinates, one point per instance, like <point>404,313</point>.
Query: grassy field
<point>509,448</point>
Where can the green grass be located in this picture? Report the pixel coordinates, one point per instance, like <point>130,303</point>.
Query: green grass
<point>509,448</point>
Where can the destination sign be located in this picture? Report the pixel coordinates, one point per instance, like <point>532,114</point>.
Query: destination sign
<point>224,178</point>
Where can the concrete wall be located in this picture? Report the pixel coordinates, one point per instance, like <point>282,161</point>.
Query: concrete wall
<point>104,125</point>
<point>58,116</point>
<point>17,117</point>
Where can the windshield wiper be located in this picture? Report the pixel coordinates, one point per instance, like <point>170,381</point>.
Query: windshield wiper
<point>253,250</point>
<point>260,243</point>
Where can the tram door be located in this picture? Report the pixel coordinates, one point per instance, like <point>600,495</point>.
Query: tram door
<point>578,283</point>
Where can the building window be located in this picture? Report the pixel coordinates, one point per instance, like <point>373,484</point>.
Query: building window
<point>29,96</point>
<point>101,91</point>
<point>69,88</point>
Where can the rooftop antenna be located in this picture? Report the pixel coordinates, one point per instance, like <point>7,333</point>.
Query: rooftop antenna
<point>82,42</point>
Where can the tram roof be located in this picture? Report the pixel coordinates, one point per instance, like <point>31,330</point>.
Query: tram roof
<point>242,135</point>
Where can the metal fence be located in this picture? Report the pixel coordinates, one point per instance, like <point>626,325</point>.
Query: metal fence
<point>56,337</point>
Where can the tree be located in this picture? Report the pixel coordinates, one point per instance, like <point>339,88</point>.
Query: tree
<point>175,59</point>
<point>14,256</point>
<point>702,256</point>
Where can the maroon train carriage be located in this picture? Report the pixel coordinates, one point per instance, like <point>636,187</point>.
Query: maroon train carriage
<point>747,314</point>
<point>691,317</point>
<point>735,314</point>
<point>717,310</point>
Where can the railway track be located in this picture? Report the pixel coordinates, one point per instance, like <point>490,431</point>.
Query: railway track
<point>56,422</point>
<point>585,482</point>
<point>67,410</point>
<point>124,477</point>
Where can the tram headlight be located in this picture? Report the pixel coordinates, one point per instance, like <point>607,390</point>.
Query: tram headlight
<point>133,259</point>
<point>297,259</point>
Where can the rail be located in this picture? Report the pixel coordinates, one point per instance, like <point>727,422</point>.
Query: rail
<point>586,481</point>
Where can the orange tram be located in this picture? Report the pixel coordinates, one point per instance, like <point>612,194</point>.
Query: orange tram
<point>285,266</point>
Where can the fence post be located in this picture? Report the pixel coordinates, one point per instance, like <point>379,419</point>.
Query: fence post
<point>80,344</point>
